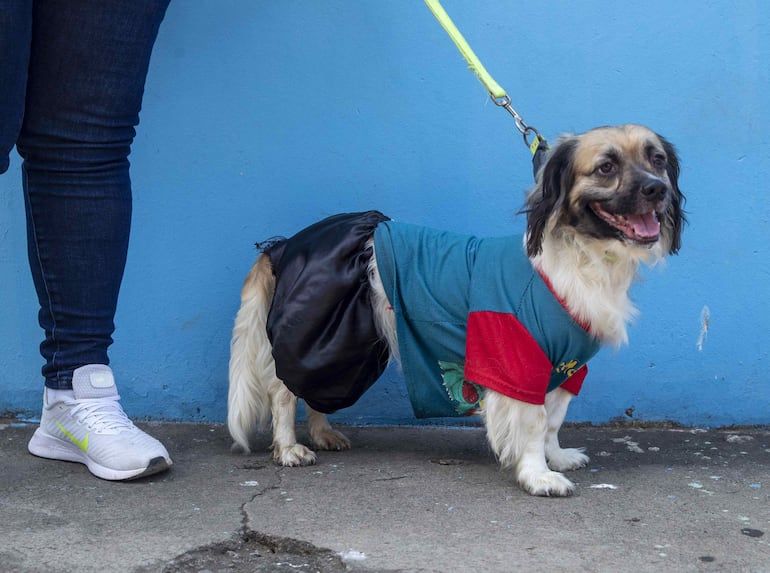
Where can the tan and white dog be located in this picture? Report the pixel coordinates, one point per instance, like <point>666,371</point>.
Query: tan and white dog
<point>605,201</point>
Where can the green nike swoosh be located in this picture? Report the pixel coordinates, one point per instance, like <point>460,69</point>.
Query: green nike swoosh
<point>82,444</point>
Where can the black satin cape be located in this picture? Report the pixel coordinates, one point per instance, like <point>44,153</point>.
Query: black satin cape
<point>325,344</point>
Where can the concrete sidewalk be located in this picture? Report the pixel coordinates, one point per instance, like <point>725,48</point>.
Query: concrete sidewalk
<point>404,499</point>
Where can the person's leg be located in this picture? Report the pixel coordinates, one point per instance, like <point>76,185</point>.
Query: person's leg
<point>87,69</point>
<point>15,38</point>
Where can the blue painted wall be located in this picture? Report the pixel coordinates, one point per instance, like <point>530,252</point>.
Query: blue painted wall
<point>261,117</point>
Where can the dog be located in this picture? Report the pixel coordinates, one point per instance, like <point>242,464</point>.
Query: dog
<point>605,202</point>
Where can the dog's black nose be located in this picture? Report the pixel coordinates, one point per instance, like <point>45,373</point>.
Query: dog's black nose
<point>653,188</point>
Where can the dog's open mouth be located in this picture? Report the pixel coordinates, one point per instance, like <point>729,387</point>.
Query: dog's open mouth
<point>642,228</point>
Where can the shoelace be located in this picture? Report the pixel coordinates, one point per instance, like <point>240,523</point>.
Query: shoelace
<point>101,415</point>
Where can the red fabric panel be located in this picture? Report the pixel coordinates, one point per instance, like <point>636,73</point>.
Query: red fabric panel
<point>574,383</point>
<point>500,354</point>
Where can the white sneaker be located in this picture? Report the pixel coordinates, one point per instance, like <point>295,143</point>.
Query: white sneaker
<point>92,429</point>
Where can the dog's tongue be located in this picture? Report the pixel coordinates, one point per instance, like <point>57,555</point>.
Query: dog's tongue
<point>645,225</point>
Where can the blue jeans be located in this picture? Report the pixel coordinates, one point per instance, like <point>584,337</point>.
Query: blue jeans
<point>72,76</point>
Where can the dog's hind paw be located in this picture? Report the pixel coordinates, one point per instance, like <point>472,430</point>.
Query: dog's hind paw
<point>563,459</point>
<point>547,484</point>
<point>294,455</point>
<point>330,439</point>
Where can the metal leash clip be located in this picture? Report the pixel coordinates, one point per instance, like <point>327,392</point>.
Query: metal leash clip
<point>521,125</point>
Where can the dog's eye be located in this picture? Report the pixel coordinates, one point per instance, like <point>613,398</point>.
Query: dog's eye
<point>607,168</point>
<point>658,160</point>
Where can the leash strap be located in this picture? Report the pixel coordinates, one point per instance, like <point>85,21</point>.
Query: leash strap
<point>475,65</point>
<point>538,146</point>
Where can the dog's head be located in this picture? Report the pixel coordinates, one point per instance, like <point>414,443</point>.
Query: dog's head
<point>610,183</point>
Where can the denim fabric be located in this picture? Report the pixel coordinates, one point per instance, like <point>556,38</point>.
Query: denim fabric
<point>72,76</point>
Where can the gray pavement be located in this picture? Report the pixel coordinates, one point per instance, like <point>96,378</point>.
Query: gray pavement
<point>418,499</point>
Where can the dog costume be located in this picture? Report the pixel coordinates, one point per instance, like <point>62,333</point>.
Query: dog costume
<point>471,313</point>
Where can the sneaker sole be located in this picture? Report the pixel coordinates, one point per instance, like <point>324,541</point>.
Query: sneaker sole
<point>50,447</point>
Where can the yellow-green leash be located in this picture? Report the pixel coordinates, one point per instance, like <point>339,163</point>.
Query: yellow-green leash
<point>496,92</point>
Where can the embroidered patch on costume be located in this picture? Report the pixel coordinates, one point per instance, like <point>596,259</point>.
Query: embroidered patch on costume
<point>466,396</point>
<point>568,368</point>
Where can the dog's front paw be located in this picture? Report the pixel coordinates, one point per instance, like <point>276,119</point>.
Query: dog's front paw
<point>330,439</point>
<point>546,484</point>
<point>294,455</point>
<point>564,459</point>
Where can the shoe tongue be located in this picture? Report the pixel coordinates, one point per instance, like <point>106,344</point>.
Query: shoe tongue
<point>93,381</point>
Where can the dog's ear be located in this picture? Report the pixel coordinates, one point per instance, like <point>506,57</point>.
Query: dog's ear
<point>553,182</point>
<point>675,214</point>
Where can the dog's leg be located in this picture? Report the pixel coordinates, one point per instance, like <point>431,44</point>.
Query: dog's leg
<point>516,432</point>
<point>255,389</point>
<point>286,450</point>
<point>323,435</point>
<point>560,459</point>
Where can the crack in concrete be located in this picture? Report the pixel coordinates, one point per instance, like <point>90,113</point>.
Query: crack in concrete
<point>250,551</point>
<point>253,552</point>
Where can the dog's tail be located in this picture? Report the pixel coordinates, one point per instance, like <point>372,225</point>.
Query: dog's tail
<point>252,369</point>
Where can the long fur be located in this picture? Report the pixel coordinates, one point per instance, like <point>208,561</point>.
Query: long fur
<point>251,364</point>
<point>589,264</point>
